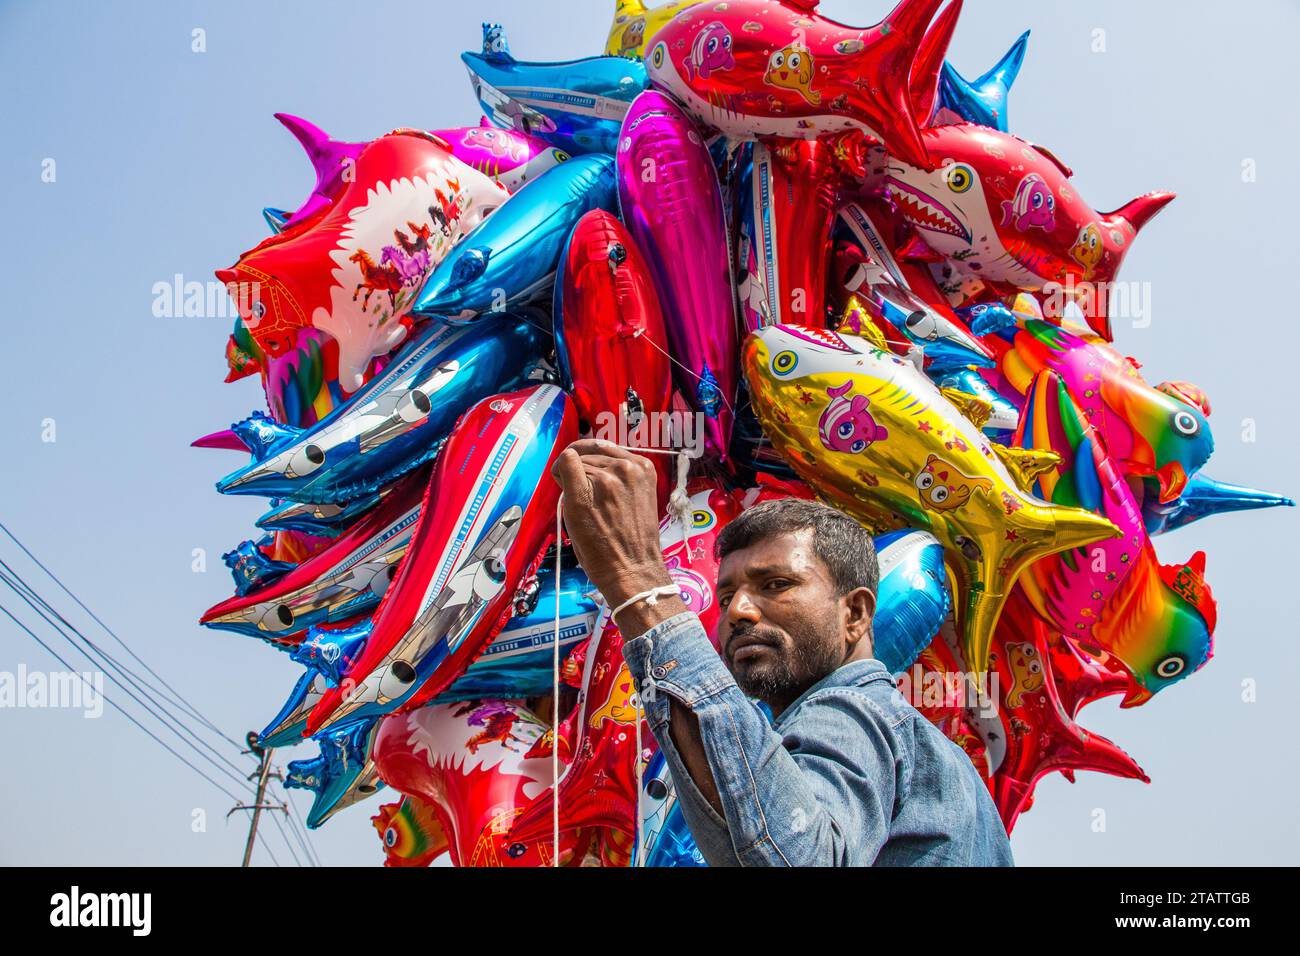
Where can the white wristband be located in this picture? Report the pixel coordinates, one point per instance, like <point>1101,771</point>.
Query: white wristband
<point>651,597</point>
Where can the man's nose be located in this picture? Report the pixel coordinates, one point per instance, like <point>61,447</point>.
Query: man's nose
<point>742,608</point>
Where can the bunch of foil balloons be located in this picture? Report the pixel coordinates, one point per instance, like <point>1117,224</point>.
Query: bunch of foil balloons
<point>809,256</point>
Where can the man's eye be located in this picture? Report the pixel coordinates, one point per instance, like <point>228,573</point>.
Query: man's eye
<point>724,601</point>
<point>778,583</point>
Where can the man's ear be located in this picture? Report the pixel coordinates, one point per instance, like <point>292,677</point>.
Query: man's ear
<point>859,608</point>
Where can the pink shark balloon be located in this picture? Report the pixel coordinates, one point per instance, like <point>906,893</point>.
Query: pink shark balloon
<point>330,159</point>
<point>752,68</point>
<point>512,158</point>
<point>1005,212</point>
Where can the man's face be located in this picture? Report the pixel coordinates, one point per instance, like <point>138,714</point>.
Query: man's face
<point>782,627</point>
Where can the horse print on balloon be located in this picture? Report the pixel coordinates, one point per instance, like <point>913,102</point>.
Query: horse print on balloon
<point>403,266</point>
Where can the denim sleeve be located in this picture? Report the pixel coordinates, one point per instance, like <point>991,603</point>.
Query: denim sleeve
<point>819,793</point>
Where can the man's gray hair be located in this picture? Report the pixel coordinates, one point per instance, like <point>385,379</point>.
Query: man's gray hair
<point>841,543</point>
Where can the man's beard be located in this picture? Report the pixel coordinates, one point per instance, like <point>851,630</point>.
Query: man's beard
<point>812,653</point>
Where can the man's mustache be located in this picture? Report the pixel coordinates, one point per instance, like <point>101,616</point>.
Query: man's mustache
<point>749,633</point>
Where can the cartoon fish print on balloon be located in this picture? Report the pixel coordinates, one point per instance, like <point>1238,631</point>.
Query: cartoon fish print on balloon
<point>710,52</point>
<point>500,143</point>
<point>846,425</point>
<point>1026,669</point>
<point>1033,206</point>
<point>695,591</point>
<point>1088,249</point>
<point>791,68</point>
<point>943,487</point>
<point>620,705</point>
<point>631,39</point>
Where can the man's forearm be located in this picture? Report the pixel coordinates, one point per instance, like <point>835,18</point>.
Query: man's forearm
<point>685,729</point>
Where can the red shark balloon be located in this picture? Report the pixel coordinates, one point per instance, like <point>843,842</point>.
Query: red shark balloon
<point>468,762</point>
<point>1005,212</point>
<point>352,268</point>
<point>775,68</point>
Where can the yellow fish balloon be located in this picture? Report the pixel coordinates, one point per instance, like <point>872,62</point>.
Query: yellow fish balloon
<point>634,24</point>
<point>875,438</point>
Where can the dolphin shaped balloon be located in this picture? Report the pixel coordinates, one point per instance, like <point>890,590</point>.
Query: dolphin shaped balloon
<point>576,106</point>
<point>513,256</point>
<point>676,218</point>
<point>877,438</point>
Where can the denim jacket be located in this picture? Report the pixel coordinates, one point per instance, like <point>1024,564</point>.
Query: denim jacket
<point>849,775</point>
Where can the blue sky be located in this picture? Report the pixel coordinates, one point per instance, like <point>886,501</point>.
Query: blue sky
<point>163,159</point>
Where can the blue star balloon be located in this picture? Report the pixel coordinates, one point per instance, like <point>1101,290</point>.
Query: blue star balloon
<point>983,101</point>
<point>1204,496</point>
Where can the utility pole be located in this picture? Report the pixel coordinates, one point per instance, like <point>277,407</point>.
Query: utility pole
<point>262,773</point>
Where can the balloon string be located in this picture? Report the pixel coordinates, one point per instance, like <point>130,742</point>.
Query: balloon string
<point>689,371</point>
<point>555,694</point>
<point>679,506</point>
<point>638,772</point>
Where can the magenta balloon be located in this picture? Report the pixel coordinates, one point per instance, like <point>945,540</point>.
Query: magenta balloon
<point>672,205</point>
